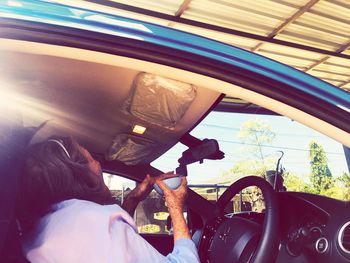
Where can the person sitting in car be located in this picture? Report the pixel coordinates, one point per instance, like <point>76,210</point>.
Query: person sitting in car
<point>66,213</point>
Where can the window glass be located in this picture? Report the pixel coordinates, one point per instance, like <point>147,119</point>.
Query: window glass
<point>119,186</point>
<point>253,144</point>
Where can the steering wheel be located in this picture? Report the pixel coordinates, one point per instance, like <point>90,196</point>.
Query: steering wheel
<point>236,239</point>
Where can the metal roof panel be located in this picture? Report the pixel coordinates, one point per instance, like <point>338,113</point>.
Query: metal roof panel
<point>325,23</point>
<point>322,25</point>
<point>230,16</point>
<point>218,36</point>
<point>299,38</point>
<point>329,76</point>
<point>334,68</point>
<point>338,61</point>
<point>163,6</point>
<point>277,9</point>
<point>289,60</point>
<point>338,7</point>
<point>316,35</point>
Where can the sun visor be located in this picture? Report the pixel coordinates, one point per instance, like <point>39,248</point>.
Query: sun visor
<point>130,149</point>
<point>158,100</point>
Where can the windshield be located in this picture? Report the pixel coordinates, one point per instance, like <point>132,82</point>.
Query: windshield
<point>253,143</point>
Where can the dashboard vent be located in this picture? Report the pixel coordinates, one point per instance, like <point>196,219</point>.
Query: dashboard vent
<point>344,238</point>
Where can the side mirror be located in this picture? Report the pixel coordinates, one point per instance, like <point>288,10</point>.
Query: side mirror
<point>276,180</point>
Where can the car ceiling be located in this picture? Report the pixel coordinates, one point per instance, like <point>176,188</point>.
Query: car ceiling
<point>98,104</point>
<point>309,35</point>
<point>213,19</point>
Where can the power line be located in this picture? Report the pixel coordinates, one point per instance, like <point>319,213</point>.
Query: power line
<point>172,154</point>
<point>277,133</point>
<point>274,147</point>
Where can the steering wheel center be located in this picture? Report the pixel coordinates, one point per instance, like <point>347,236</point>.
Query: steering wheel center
<point>238,239</point>
<point>234,241</point>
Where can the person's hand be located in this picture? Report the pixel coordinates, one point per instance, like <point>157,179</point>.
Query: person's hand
<point>175,199</point>
<point>142,190</point>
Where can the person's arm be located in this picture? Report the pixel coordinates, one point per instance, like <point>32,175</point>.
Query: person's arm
<point>184,248</point>
<point>175,200</point>
<point>138,194</point>
<point>129,205</point>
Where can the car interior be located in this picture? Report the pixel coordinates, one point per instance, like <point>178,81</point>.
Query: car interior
<point>128,112</point>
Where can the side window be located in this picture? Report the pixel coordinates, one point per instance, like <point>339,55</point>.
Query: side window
<point>150,215</point>
<point>119,186</point>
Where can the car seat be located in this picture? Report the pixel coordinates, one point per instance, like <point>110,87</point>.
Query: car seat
<point>13,140</point>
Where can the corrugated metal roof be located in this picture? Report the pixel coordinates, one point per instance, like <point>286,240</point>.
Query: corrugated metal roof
<point>310,35</point>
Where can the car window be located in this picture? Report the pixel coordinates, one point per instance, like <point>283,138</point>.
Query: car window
<point>150,215</point>
<point>310,161</point>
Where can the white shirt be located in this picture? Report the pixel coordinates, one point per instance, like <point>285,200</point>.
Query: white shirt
<point>82,231</point>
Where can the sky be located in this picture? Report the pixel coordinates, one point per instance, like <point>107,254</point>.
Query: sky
<point>291,137</point>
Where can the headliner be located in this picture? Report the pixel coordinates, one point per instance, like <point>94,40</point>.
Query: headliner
<point>85,100</point>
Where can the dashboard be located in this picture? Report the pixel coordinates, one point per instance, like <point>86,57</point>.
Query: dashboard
<point>313,228</point>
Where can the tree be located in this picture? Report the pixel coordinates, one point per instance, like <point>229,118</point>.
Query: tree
<point>255,134</point>
<point>295,183</point>
<point>344,180</point>
<point>321,176</point>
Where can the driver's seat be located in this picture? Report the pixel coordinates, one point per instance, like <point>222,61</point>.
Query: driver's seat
<point>13,140</point>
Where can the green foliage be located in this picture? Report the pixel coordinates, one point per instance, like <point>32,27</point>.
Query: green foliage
<point>339,188</point>
<point>321,176</point>
<point>295,183</point>
<point>344,181</point>
<point>253,166</point>
<point>321,180</point>
<point>255,134</point>
<point>335,192</point>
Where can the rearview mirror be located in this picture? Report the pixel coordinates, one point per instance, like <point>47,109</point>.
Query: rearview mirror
<point>206,149</point>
